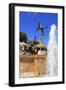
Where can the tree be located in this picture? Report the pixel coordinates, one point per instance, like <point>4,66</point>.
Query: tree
<point>23,37</point>
<point>35,42</point>
<point>29,42</point>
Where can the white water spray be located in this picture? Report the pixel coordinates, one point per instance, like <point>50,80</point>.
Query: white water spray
<point>52,52</point>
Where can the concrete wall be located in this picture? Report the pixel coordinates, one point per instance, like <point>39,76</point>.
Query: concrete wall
<point>34,64</point>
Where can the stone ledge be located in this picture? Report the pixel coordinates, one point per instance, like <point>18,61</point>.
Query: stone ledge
<point>33,56</point>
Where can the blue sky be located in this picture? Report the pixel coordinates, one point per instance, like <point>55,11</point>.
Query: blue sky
<point>28,24</point>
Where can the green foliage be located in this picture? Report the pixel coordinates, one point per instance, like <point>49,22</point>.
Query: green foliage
<point>32,43</point>
<point>29,42</point>
<point>35,42</point>
<point>23,37</point>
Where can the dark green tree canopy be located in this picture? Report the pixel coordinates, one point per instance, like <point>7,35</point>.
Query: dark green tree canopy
<point>23,37</point>
<point>35,42</point>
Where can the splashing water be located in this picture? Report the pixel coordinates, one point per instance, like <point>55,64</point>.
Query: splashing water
<point>52,52</point>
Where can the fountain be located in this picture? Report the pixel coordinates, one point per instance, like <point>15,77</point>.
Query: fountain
<point>52,52</point>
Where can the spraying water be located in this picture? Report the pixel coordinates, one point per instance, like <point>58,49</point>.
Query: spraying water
<point>52,52</point>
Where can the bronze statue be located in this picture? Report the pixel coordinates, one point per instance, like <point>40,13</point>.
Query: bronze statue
<point>41,29</point>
